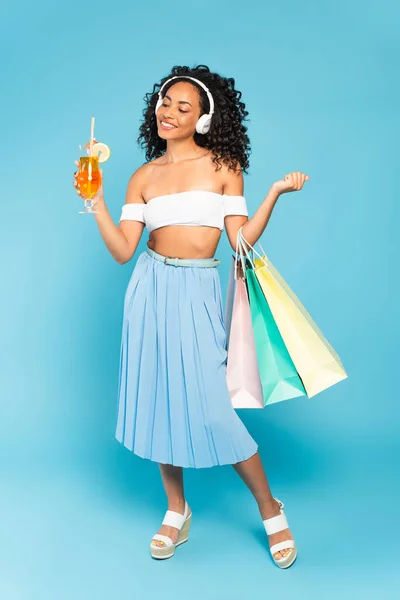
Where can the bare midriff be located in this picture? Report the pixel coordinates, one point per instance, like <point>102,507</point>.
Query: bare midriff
<point>185,241</point>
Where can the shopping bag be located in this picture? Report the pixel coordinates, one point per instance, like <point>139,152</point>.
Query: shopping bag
<point>279,378</point>
<point>242,375</point>
<point>317,363</point>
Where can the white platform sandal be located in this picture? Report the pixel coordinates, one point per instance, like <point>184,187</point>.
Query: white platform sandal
<point>274,525</point>
<point>173,519</point>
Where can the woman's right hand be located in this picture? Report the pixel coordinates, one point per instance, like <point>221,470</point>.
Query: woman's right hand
<point>98,197</point>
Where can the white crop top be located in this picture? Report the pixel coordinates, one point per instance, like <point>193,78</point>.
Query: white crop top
<point>196,207</point>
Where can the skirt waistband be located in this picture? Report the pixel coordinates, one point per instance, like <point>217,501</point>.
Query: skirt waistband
<point>184,262</point>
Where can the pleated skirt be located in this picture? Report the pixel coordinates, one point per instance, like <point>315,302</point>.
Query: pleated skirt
<point>173,402</point>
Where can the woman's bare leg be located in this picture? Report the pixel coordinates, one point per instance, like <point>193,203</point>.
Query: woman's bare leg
<point>172,478</point>
<point>253,474</point>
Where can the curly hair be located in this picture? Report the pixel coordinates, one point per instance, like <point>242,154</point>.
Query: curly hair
<point>227,138</point>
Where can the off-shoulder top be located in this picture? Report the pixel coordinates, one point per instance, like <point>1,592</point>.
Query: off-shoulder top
<point>195,207</point>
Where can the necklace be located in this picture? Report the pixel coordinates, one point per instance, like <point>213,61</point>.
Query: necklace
<point>173,162</point>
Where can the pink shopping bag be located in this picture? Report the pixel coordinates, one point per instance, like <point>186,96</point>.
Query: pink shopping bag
<point>242,374</point>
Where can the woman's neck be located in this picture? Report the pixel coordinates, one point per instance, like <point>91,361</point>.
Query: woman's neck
<point>179,150</point>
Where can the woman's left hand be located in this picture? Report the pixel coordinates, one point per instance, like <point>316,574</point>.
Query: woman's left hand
<point>292,182</point>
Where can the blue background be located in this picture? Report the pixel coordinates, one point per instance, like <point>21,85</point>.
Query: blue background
<point>77,510</point>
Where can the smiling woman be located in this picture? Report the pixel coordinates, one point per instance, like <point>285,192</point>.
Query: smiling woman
<point>174,405</point>
<point>185,104</point>
<point>215,149</point>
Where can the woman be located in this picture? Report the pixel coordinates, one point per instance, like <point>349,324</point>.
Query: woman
<point>174,405</point>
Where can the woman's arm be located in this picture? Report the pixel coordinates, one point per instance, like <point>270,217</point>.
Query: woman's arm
<point>121,240</point>
<point>253,228</point>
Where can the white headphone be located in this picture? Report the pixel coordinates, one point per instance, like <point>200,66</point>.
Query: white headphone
<point>204,122</point>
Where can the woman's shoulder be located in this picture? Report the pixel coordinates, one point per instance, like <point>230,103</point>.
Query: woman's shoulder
<point>156,161</point>
<point>232,177</point>
<point>136,184</point>
<point>141,173</point>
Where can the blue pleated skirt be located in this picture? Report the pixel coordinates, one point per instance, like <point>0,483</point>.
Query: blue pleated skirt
<point>173,402</point>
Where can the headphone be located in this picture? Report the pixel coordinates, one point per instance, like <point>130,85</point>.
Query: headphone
<point>204,122</point>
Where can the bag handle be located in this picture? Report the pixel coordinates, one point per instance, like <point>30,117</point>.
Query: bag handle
<point>239,247</point>
<point>241,244</point>
<point>243,247</point>
<point>242,239</point>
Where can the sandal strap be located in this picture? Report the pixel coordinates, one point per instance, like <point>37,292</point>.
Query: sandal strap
<point>174,519</point>
<point>276,524</point>
<point>163,538</point>
<point>282,546</point>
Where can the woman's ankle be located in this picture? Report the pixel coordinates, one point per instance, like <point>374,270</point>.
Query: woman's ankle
<point>177,505</point>
<point>268,508</point>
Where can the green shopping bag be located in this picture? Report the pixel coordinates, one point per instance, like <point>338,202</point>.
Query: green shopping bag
<point>279,378</point>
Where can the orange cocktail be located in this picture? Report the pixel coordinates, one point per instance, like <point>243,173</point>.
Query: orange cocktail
<point>89,176</point>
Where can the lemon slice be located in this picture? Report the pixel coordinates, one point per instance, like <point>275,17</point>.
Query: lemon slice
<point>102,151</point>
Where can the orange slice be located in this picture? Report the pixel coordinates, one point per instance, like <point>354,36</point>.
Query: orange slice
<point>99,149</point>
<point>102,151</point>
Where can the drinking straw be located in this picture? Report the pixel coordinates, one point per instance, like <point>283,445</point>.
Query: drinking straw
<point>91,136</point>
<point>91,150</point>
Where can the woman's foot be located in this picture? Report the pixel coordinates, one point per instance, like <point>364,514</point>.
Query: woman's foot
<point>171,532</point>
<point>272,509</point>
